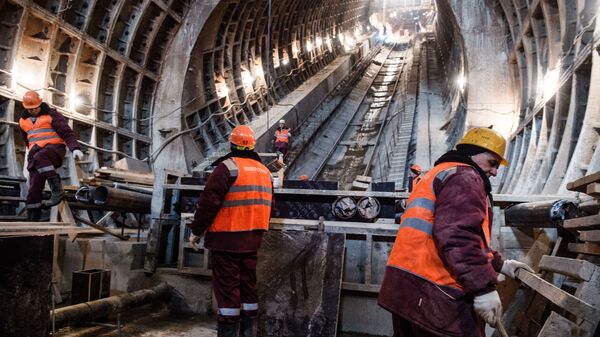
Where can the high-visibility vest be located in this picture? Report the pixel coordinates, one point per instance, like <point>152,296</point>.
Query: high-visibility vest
<point>282,136</point>
<point>41,132</point>
<point>414,249</point>
<point>247,204</point>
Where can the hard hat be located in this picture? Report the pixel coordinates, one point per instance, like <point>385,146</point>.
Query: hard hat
<point>281,121</point>
<point>303,177</point>
<point>31,100</point>
<point>242,136</point>
<point>416,168</point>
<point>487,139</point>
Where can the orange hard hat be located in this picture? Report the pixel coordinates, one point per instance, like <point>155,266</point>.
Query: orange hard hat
<point>416,168</point>
<point>303,177</point>
<point>242,136</point>
<point>31,100</point>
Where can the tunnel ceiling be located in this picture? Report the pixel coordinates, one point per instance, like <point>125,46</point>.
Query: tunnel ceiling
<point>236,70</point>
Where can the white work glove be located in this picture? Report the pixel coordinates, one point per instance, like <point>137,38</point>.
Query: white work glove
<point>195,241</point>
<point>488,307</point>
<point>78,155</point>
<point>509,268</point>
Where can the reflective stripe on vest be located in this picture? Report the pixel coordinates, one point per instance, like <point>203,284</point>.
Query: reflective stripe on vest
<point>41,132</point>
<point>282,136</point>
<point>414,249</point>
<point>247,204</point>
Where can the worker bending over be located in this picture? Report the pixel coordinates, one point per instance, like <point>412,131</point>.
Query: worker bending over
<point>441,275</point>
<point>45,132</point>
<point>235,208</point>
<point>281,139</point>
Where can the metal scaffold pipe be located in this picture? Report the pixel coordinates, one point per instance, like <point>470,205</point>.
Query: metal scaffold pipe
<point>539,214</point>
<point>115,198</point>
<point>90,311</point>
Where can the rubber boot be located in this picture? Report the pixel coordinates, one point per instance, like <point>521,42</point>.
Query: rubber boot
<point>227,329</point>
<point>34,214</point>
<point>248,327</point>
<point>57,191</point>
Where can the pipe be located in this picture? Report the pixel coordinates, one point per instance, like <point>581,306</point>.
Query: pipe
<point>91,311</point>
<point>540,214</point>
<point>115,199</point>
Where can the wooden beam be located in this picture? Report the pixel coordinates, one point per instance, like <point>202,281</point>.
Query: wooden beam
<point>585,248</point>
<point>593,189</point>
<point>580,185</point>
<point>586,222</point>
<point>556,325</point>
<point>590,236</point>
<point>579,269</point>
<point>559,297</point>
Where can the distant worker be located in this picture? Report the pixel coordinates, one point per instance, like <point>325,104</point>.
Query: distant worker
<point>441,275</point>
<point>415,175</point>
<point>281,139</point>
<point>234,210</point>
<point>45,132</point>
<point>303,177</point>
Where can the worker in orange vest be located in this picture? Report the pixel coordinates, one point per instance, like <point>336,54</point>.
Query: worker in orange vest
<point>46,134</point>
<point>234,210</point>
<point>415,175</point>
<point>441,275</point>
<point>281,138</point>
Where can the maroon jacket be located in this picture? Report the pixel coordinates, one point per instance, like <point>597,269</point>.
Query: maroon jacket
<point>59,124</point>
<point>209,204</point>
<point>461,202</point>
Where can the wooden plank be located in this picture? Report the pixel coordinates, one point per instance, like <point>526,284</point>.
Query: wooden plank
<point>559,297</point>
<point>583,223</point>
<point>580,184</point>
<point>593,189</point>
<point>585,248</point>
<point>556,325</point>
<point>590,236</point>
<point>33,223</point>
<point>579,269</point>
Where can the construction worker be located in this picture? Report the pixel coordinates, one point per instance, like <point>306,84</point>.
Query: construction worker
<point>415,175</point>
<point>281,138</point>
<point>441,275</point>
<point>45,132</point>
<point>234,210</point>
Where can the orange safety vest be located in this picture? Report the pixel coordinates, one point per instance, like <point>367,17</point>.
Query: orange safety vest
<point>282,136</point>
<point>247,204</point>
<point>414,249</point>
<point>41,132</point>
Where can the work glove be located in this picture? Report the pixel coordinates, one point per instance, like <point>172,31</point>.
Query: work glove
<point>195,241</point>
<point>509,268</point>
<point>78,155</point>
<point>488,307</point>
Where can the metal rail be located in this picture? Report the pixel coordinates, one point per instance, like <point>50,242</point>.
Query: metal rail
<point>388,96</point>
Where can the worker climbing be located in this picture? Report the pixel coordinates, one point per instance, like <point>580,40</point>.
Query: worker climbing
<point>415,176</point>
<point>281,139</point>
<point>45,132</point>
<point>441,275</point>
<point>234,210</point>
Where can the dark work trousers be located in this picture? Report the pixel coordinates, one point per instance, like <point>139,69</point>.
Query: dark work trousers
<point>42,164</point>
<point>404,328</point>
<point>281,147</point>
<point>234,284</point>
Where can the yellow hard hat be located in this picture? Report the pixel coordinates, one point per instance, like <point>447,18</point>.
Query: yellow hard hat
<point>487,139</point>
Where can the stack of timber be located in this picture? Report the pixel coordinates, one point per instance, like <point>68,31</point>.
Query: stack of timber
<point>130,172</point>
<point>563,298</point>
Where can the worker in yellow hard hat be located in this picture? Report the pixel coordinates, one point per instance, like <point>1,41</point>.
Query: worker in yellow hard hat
<point>441,275</point>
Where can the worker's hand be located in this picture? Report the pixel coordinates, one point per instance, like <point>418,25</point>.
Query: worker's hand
<point>195,241</point>
<point>488,307</point>
<point>509,268</point>
<point>78,155</point>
